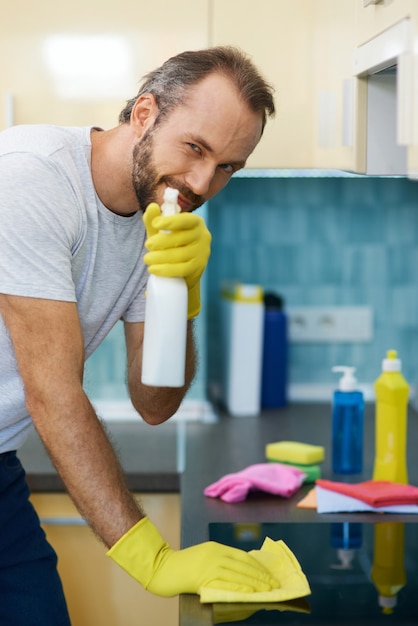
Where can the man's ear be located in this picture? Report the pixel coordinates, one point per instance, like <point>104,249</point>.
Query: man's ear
<point>144,112</point>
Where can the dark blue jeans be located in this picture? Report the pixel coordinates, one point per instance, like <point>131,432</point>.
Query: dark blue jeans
<point>30,589</point>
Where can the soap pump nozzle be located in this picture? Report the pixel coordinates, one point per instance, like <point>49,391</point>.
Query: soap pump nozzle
<point>347,424</point>
<point>347,381</point>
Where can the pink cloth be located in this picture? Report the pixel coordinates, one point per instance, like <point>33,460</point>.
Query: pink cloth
<point>374,492</point>
<point>277,478</point>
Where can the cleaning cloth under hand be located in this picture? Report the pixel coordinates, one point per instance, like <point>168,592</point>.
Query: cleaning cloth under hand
<point>376,493</point>
<point>282,564</point>
<point>282,480</point>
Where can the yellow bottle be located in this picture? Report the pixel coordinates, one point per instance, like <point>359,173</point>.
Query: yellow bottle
<point>388,570</point>
<point>391,422</point>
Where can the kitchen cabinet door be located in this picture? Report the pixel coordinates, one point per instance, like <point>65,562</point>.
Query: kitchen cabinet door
<point>305,49</point>
<point>375,16</point>
<point>388,65</point>
<point>77,63</point>
<point>97,590</point>
<point>339,123</point>
<point>278,35</point>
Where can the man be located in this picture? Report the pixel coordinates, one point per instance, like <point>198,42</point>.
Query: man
<point>77,207</point>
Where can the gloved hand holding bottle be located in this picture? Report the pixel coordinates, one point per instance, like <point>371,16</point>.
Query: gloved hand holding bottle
<point>144,554</point>
<point>182,251</point>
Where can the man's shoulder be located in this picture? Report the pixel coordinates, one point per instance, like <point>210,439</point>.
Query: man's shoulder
<point>43,139</point>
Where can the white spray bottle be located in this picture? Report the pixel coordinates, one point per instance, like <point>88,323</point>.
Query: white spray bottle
<point>165,329</point>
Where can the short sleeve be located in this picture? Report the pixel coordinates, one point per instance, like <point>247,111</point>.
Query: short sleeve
<point>40,227</point>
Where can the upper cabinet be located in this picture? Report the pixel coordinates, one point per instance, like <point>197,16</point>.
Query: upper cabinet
<point>346,79</point>
<point>278,35</point>
<point>305,49</point>
<point>339,124</point>
<point>78,63</point>
<point>345,72</point>
<point>386,65</point>
<point>375,16</point>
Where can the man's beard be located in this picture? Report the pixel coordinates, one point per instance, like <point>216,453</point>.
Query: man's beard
<point>146,180</point>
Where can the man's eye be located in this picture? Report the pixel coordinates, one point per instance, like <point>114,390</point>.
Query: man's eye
<point>227,167</point>
<point>195,147</point>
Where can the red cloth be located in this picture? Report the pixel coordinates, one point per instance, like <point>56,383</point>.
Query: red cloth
<point>374,492</point>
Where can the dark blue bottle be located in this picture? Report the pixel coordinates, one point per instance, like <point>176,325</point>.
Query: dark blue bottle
<point>346,535</point>
<point>347,425</point>
<point>275,351</point>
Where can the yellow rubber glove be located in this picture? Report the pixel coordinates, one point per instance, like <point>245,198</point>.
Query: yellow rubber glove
<point>144,554</point>
<point>182,251</point>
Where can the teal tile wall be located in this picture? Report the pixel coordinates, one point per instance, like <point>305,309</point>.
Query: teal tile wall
<point>317,241</point>
<point>322,241</point>
<point>105,371</point>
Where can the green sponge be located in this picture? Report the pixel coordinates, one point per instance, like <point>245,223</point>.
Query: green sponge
<point>313,472</point>
<point>294,452</point>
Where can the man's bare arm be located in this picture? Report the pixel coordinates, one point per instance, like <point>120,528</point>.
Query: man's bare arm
<point>155,404</point>
<point>48,344</point>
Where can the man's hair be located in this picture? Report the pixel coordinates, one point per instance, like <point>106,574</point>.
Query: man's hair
<point>169,82</point>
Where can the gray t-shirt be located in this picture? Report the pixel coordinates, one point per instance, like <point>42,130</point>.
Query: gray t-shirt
<point>59,242</point>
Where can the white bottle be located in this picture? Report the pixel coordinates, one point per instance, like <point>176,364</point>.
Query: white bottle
<point>242,326</point>
<point>165,329</point>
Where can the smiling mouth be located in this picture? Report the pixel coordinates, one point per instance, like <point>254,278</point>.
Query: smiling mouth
<point>186,200</point>
<point>184,204</point>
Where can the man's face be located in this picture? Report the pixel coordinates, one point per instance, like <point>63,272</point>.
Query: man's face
<point>198,147</point>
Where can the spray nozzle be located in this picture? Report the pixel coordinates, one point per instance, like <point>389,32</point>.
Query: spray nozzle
<point>347,381</point>
<point>170,206</point>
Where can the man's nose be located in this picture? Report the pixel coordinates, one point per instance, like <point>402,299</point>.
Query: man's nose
<point>200,178</point>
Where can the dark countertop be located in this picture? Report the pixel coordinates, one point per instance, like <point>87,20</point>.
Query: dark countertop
<point>148,455</point>
<point>150,458</point>
<point>214,450</point>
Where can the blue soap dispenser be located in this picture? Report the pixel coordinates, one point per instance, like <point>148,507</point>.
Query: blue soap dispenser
<point>347,424</point>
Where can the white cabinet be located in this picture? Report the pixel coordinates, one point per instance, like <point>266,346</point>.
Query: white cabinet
<point>375,16</point>
<point>79,66</point>
<point>387,65</point>
<point>77,63</point>
<point>310,52</point>
<point>336,143</point>
<point>305,49</point>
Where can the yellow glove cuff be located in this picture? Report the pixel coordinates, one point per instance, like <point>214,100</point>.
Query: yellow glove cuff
<point>136,551</point>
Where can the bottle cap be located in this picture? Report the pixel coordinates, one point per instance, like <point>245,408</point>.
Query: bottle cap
<point>348,381</point>
<point>387,603</point>
<point>391,363</point>
<point>273,301</point>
